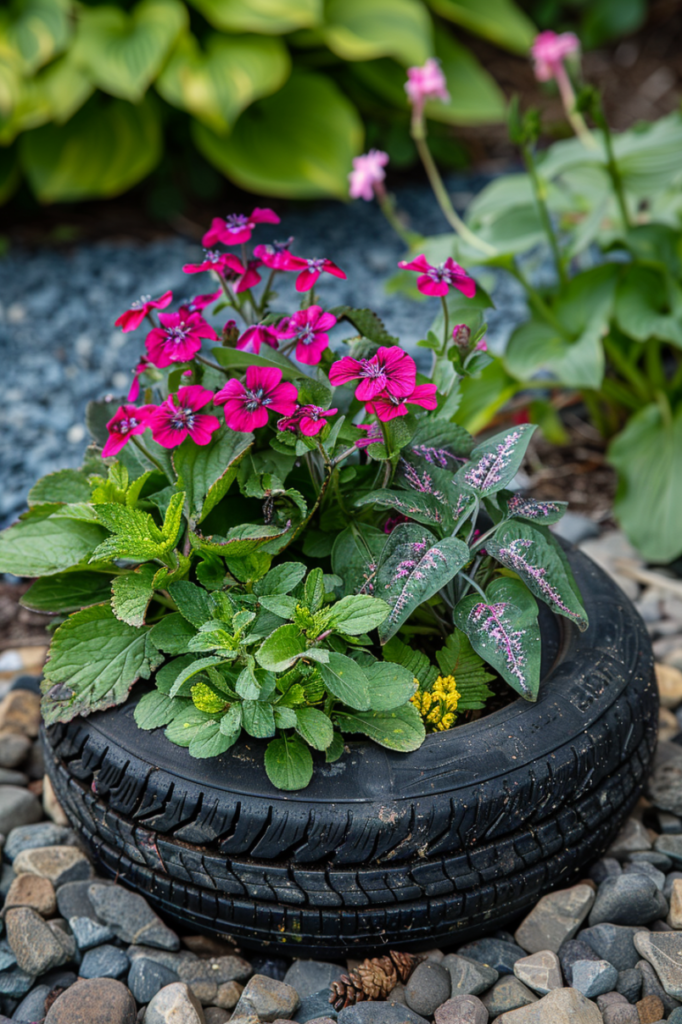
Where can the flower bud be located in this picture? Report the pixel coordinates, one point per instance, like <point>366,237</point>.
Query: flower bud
<point>461,335</point>
<point>230,333</point>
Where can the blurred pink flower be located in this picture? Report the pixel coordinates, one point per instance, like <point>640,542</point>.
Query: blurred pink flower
<point>247,406</point>
<point>273,255</point>
<point>178,418</point>
<point>200,302</point>
<point>134,392</point>
<point>426,83</point>
<point>368,171</point>
<point>481,346</point>
<point>215,260</point>
<point>439,280</point>
<point>133,317</point>
<point>237,227</point>
<point>549,51</point>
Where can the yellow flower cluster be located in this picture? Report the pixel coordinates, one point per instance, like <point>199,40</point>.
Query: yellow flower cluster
<point>438,706</point>
<point>206,699</point>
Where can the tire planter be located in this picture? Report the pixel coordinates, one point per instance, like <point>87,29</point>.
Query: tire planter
<point>382,849</point>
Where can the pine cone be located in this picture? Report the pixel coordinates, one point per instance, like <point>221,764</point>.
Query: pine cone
<point>372,980</point>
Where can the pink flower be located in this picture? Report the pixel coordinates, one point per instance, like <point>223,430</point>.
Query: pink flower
<point>389,368</point>
<point>200,302</point>
<point>133,317</point>
<point>178,339</point>
<point>309,419</point>
<point>368,171</point>
<point>308,327</point>
<point>439,280</point>
<point>178,418</point>
<point>253,337</point>
<point>126,421</point>
<point>549,51</point>
<point>237,227</point>
<point>134,392</point>
<point>274,255</point>
<point>481,346</point>
<point>374,435</point>
<point>214,260</point>
<point>387,406</point>
<point>310,270</point>
<point>426,83</point>
<point>246,277</point>
<point>247,407</point>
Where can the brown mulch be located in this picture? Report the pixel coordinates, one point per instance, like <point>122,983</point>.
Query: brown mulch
<point>19,627</point>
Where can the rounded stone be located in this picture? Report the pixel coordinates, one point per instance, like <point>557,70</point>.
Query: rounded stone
<point>44,833</point>
<point>628,900</point>
<point>310,976</point>
<point>104,962</point>
<point>541,972</point>
<point>594,977</point>
<point>18,806</point>
<point>94,1001</point>
<point>427,987</point>
<point>32,1006</point>
<point>216,1015</point>
<point>174,1004</point>
<point>650,1010</point>
<point>58,863</point>
<point>507,994</point>
<point>130,917</point>
<point>562,1006</point>
<point>14,748</point>
<point>462,1009</point>
<point>34,892</point>
<point>35,945</point>
<point>146,978</point>
<point>468,977</point>
<point>555,918</point>
<point>629,984</point>
<point>20,712</point>
<point>268,999</point>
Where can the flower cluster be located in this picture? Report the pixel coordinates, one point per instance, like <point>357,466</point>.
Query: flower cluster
<point>438,706</point>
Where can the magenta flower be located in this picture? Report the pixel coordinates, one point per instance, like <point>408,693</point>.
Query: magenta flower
<point>246,277</point>
<point>200,302</point>
<point>133,317</point>
<point>215,260</point>
<point>178,339</point>
<point>310,270</point>
<point>389,368</point>
<point>247,406</point>
<point>253,337</point>
<point>178,417</point>
<point>237,227</point>
<point>309,327</point>
<point>387,406</point>
<point>374,435</point>
<point>309,419</point>
<point>368,172</point>
<point>134,393</point>
<point>126,421</point>
<point>274,255</point>
<point>439,280</point>
<point>481,346</point>
<point>549,51</point>
<point>426,83</point>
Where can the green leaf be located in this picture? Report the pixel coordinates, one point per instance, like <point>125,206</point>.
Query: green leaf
<point>495,462</point>
<point>533,556</point>
<point>315,728</point>
<point>416,662</point>
<point>401,729</point>
<point>216,86</point>
<point>94,661</point>
<point>414,568</point>
<point>475,96</point>
<point>168,673</point>
<point>105,149</point>
<point>172,634</point>
<point>240,540</point>
<point>267,17</point>
<point>187,723</point>
<point>67,592</point>
<point>314,590</point>
<point>504,630</point>
<point>390,685</point>
<point>154,710</point>
<point>123,53</point>
<point>346,681</point>
<point>439,442</point>
<point>193,669</point>
<point>281,580</point>
<point>297,144</point>
<point>642,302</point>
<point>248,686</point>
<point>66,485</point>
<point>357,613</point>
<point>192,601</point>
<point>536,346</point>
<point>367,323</point>
<point>356,554</point>
<point>258,718</point>
<point>135,534</point>
<point>205,472</point>
<point>209,741</point>
<point>458,658</point>
<point>35,32</point>
<point>288,763</point>
<point>335,750</point>
<point>231,723</point>
<point>648,457</point>
<point>132,593</point>
<point>544,512</point>
<point>500,21</point>
<point>423,508</point>
<point>366,29</point>
<point>281,649</point>
<point>280,605</point>
<point>43,546</point>
<point>236,359</point>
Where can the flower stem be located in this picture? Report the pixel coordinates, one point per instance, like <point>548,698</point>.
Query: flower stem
<point>214,366</point>
<point>474,584</point>
<point>541,200</point>
<point>151,458</point>
<point>575,118</point>
<point>387,206</point>
<point>446,325</point>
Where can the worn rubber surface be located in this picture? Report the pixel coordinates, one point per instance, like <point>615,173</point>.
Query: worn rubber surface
<point>381,849</point>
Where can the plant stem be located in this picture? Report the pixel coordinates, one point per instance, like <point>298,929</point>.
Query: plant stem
<point>150,458</point>
<point>536,300</point>
<point>612,166</point>
<point>541,200</point>
<point>591,400</point>
<point>626,368</point>
<point>474,584</point>
<point>574,116</point>
<point>446,325</point>
<point>214,366</point>
<point>387,207</point>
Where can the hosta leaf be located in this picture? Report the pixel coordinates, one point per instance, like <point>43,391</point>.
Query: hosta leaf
<point>535,559</point>
<point>537,347</point>
<point>288,763</point>
<point>67,592</point>
<point>154,710</point>
<point>267,17</point>
<point>258,718</point>
<point>416,662</point>
<point>173,633</point>
<point>390,685</point>
<point>192,602</point>
<point>131,594</point>
<point>366,29</point>
<point>282,648</point>
<point>205,472</point>
<point>94,661</point>
<point>37,32</point>
<point>423,508</point>
<point>66,485</point>
<point>355,556</point>
<point>504,630</point>
<point>357,613</point>
<point>346,681</point>
<point>495,462</point>
<point>414,568</point>
<point>500,21</point>
<point>43,546</point>
<point>401,729</point>
<point>544,512</point>
<point>315,728</point>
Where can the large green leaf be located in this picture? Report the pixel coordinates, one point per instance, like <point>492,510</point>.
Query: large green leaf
<point>205,472</point>
<point>131,594</point>
<point>504,630</point>
<point>365,29</point>
<point>123,53</point>
<point>282,648</point>
<point>154,710</point>
<point>390,685</point>
<point>536,346</point>
<point>65,485</point>
<point>217,85</point>
<point>237,359</point>
<point>423,508</point>
<point>34,32</point>
<point>288,763</point>
<point>94,661</point>
<point>357,614</point>
<point>315,727</point>
<point>267,17</point>
<point>642,304</point>
<point>105,149</point>
<point>414,568</point>
<point>648,457</point>
<point>401,729</point>
<point>297,144</point>
<point>346,681</point>
<point>67,592</point>
<point>355,556</point>
<point>500,21</point>
<point>43,546</point>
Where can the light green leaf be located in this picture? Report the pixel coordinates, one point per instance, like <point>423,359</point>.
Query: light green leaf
<point>168,673</point>
<point>366,29</point>
<point>288,763</point>
<point>280,604</point>
<point>43,546</point>
<point>67,592</point>
<point>192,602</point>
<point>154,710</point>
<point>495,462</point>
<point>297,144</point>
<point>285,718</point>
<point>66,485</point>
<point>105,149</point>
<point>642,301</point>
<point>240,540</point>
<point>282,579</point>
<point>94,661</point>
<point>357,613</point>
<point>401,729</point>
<point>315,728</point>
<point>247,685</point>
<point>132,593</point>
<point>281,649</point>
<point>35,32</point>
<point>210,741</point>
<point>216,86</point>
<point>346,681</point>
<point>236,359</point>
<point>258,718</point>
<point>267,17</point>
<point>536,346</point>
<point>231,723</point>
<point>191,670</point>
<point>134,532</point>
<point>500,21</point>
<point>390,685</point>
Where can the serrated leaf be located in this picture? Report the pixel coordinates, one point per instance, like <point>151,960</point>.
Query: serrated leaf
<point>279,604</point>
<point>458,658</point>
<point>154,710</point>
<point>66,485</point>
<point>355,556</point>
<point>504,630</point>
<point>67,592</point>
<point>240,540</point>
<point>205,472</point>
<point>401,729</point>
<point>314,590</point>
<point>94,661</point>
<point>131,594</point>
<point>315,727</point>
<point>335,749</point>
<point>192,602</point>
<point>173,633</point>
<point>187,723</point>
<point>495,462</point>
<point>366,323</point>
<point>285,718</point>
<point>534,558</point>
<point>168,673</point>
<point>282,579</point>
<point>134,532</point>
<point>357,613</point>
<point>390,685</point>
<point>210,741</point>
<point>44,546</point>
<point>258,718</point>
<point>346,681</point>
<point>281,649</point>
<point>414,568</point>
<point>191,670</point>
<point>288,763</point>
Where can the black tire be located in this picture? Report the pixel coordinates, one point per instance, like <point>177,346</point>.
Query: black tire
<point>382,849</point>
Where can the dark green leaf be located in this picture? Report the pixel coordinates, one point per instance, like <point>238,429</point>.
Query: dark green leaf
<point>416,662</point>
<point>258,718</point>
<point>335,749</point>
<point>154,710</point>
<point>401,729</point>
<point>205,472</point>
<point>281,649</point>
<point>356,554</point>
<point>66,485</point>
<point>191,670</point>
<point>44,546</point>
<point>282,579</point>
<point>357,613</point>
<point>367,323</point>
<point>390,685</point>
<point>210,741</point>
<point>346,681</point>
<point>315,728</point>
<point>172,634</point>
<point>423,508</point>
<point>288,763</point>
<point>192,602</point>
<point>187,723</point>
<point>67,592</point>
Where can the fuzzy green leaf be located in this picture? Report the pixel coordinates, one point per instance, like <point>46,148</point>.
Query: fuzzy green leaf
<point>154,710</point>
<point>172,634</point>
<point>192,602</point>
<point>131,594</point>
<point>288,763</point>
<point>231,723</point>
<point>346,681</point>
<point>358,613</point>
<point>210,741</point>
<point>67,592</point>
<point>401,729</point>
<point>281,649</point>
<point>187,723</point>
<point>258,718</point>
<point>43,546</point>
<point>281,580</point>
<point>191,670</point>
<point>66,485</point>
<point>366,323</point>
<point>315,728</point>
